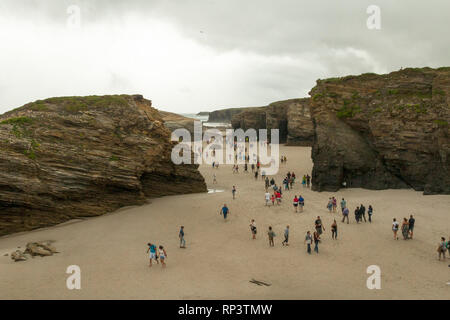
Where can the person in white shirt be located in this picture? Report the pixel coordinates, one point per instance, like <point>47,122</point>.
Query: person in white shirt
<point>267,197</point>
<point>395,228</point>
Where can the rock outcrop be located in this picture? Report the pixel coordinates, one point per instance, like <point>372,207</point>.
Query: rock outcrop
<point>175,121</point>
<point>291,117</point>
<point>225,115</point>
<point>69,157</point>
<point>250,118</point>
<point>300,129</point>
<point>383,131</point>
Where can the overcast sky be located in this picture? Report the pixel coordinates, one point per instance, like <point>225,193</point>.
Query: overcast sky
<point>201,55</point>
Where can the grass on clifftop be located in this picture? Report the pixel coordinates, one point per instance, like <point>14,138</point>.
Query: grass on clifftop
<point>17,121</point>
<point>76,104</point>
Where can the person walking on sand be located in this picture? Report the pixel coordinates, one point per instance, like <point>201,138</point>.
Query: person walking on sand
<point>286,237</point>
<point>362,213</point>
<point>304,181</point>
<point>345,214</point>
<point>395,228</point>
<point>318,225</point>
<point>267,198</point>
<point>278,197</point>
<point>411,223</point>
<point>357,214</point>
<point>334,230</point>
<point>334,203</point>
<point>343,205</point>
<point>224,211</point>
<point>295,204</point>
<point>308,241</point>
<point>253,228</point>
<point>181,236</point>
<point>273,199</point>
<point>301,203</point>
<point>162,256</point>
<point>442,248</point>
<point>308,180</point>
<point>316,237</point>
<point>370,213</point>
<point>271,235</point>
<point>233,191</point>
<point>405,229</point>
<point>330,205</point>
<point>152,249</point>
<point>214,179</point>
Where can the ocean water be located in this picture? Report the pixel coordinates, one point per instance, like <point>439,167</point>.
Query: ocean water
<point>204,120</point>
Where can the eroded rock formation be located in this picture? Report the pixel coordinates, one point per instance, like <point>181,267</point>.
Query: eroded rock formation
<point>383,131</point>
<point>291,117</point>
<point>70,157</point>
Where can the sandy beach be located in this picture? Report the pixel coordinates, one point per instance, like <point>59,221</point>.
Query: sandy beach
<point>221,256</point>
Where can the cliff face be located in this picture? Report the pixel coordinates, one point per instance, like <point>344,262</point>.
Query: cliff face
<point>383,131</point>
<point>250,118</point>
<point>225,115</point>
<point>300,130</point>
<point>292,118</point>
<point>175,121</point>
<point>84,156</point>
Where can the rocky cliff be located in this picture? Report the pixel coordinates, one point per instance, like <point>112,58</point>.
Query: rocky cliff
<point>383,131</point>
<point>175,121</point>
<point>70,157</point>
<point>250,118</point>
<point>225,115</point>
<point>291,117</point>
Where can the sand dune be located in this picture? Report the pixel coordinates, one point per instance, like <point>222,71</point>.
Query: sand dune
<point>221,257</point>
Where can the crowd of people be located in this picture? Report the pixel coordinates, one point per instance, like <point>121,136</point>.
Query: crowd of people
<point>310,239</point>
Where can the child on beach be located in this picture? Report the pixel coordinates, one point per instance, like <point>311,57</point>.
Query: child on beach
<point>162,256</point>
<point>233,191</point>
<point>224,211</point>
<point>273,199</point>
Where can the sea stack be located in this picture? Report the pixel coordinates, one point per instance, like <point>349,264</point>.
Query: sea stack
<point>383,131</point>
<point>71,157</point>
